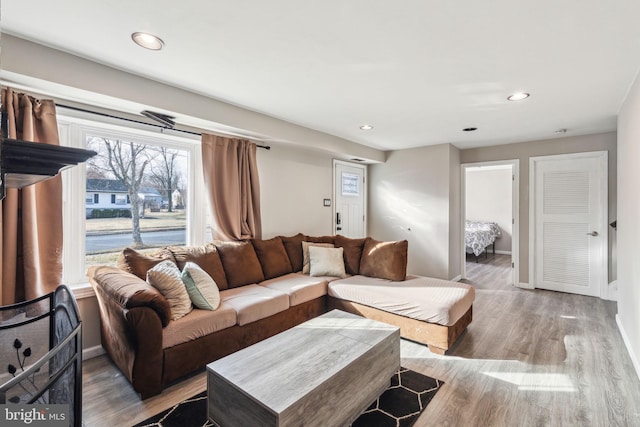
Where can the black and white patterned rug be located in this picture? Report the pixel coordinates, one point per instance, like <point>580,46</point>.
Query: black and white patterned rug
<point>399,406</point>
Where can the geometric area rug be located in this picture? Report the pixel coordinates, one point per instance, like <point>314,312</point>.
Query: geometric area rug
<point>398,406</point>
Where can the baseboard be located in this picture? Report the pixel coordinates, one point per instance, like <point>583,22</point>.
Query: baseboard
<point>91,352</point>
<point>524,285</point>
<point>457,278</point>
<point>634,359</point>
<point>503,252</point>
<point>612,291</point>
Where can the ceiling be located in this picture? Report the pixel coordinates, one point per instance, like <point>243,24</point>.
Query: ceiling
<point>419,71</point>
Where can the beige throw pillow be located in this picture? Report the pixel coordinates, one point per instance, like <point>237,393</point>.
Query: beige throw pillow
<point>202,289</point>
<point>326,261</point>
<point>305,253</point>
<point>165,277</point>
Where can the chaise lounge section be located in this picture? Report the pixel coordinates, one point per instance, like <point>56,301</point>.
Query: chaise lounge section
<point>265,287</point>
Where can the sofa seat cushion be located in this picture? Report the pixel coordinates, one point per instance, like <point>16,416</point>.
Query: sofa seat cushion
<point>198,323</point>
<point>253,302</point>
<point>421,298</point>
<point>300,287</point>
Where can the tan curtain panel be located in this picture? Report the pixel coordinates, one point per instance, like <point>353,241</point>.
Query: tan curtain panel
<point>31,231</point>
<point>231,178</point>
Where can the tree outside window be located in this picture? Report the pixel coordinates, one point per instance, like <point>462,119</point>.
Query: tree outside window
<point>138,184</point>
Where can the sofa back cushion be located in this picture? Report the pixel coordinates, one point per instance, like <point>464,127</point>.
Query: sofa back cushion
<point>385,260</point>
<point>293,246</point>
<point>272,256</point>
<point>240,262</point>
<point>137,263</point>
<point>321,239</point>
<point>206,256</point>
<point>352,252</point>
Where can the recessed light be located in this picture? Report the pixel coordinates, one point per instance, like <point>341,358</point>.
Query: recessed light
<point>366,127</point>
<point>518,96</point>
<point>147,41</point>
<point>469,129</point>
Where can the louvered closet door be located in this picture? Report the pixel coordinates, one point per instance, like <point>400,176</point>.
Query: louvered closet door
<point>570,223</point>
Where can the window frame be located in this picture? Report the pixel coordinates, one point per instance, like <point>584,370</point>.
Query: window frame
<point>73,132</point>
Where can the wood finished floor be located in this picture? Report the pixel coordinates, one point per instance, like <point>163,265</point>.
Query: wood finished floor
<point>529,358</point>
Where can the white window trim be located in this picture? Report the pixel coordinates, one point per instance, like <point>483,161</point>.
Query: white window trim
<point>73,131</point>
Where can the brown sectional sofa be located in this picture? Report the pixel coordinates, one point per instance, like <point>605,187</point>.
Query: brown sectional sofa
<point>262,291</point>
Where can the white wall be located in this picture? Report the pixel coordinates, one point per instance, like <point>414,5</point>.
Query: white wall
<point>293,184</point>
<point>628,234</point>
<point>489,198</point>
<point>409,198</point>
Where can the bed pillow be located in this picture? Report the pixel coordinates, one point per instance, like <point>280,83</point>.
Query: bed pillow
<point>326,261</point>
<point>202,289</point>
<point>384,260</point>
<point>166,278</point>
<point>305,253</point>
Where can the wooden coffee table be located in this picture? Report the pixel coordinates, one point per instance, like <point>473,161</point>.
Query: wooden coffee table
<point>323,372</point>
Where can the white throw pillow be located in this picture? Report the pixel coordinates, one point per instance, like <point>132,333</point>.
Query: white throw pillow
<point>202,289</point>
<point>305,253</point>
<point>165,277</point>
<point>326,262</point>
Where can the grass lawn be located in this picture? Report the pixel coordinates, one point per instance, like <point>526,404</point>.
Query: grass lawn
<point>152,220</point>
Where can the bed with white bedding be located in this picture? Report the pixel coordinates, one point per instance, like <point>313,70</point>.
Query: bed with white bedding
<point>479,235</point>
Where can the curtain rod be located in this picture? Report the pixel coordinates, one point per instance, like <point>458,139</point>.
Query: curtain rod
<point>83,110</point>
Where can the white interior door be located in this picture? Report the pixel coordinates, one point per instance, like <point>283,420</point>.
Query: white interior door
<point>569,200</point>
<point>350,199</point>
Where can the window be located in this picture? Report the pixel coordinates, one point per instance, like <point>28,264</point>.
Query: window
<point>152,166</point>
<point>350,186</point>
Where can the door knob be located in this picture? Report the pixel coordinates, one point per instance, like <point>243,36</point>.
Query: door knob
<point>593,233</point>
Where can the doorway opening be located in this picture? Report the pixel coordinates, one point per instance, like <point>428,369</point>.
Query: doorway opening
<point>490,218</point>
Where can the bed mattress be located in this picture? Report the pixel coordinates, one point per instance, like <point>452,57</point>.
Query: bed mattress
<point>421,298</point>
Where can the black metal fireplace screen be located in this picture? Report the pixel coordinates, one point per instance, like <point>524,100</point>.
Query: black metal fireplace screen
<point>41,353</point>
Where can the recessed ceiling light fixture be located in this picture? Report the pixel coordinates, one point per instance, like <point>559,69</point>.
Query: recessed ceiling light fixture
<point>147,41</point>
<point>518,96</point>
<point>366,127</point>
<point>471,129</point>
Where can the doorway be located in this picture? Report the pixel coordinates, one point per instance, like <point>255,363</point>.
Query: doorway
<point>490,221</point>
<point>350,199</point>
